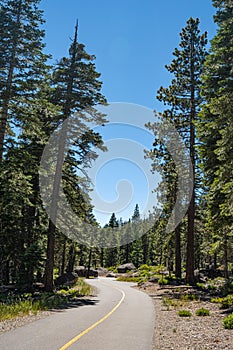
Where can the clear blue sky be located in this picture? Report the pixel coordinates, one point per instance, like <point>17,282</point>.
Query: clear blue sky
<point>131,39</point>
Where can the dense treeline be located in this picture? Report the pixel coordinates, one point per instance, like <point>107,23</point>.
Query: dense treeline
<point>35,99</point>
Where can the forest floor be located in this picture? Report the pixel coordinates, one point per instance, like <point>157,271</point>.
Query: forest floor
<point>173,332</point>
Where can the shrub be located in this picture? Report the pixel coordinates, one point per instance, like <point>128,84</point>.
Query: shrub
<point>184,313</point>
<point>112,269</point>
<point>16,309</point>
<point>203,312</point>
<point>128,279</point>
<point>228,322</point>
<point>145,267</point>
<point>63,291</point>
<point>227,302</point>
<point>163,281</point>
<point>200,285</point>
<point>227,288</point>
<point>188,296</point>
<point>167,303</point>
<point>82,288</point>
<point>216,300</point>
<point>144,273</point>
<point>24,304</point>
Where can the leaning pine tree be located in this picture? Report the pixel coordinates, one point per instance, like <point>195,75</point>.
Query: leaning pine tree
<point>183,100</point>
<point>76,89</point>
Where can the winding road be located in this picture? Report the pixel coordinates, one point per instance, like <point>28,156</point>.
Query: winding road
<point>118,318</point>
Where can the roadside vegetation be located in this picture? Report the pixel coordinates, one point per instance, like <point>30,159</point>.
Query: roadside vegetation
<point>147,273</point>
<point>185,299</point>
<point>16,304</point>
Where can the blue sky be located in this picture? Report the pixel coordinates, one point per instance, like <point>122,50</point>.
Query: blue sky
<point>132,41</point>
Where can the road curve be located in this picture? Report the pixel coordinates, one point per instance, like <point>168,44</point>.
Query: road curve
<point>119,318</point>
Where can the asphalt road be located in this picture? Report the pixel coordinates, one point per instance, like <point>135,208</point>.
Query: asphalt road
<point>118,318</point>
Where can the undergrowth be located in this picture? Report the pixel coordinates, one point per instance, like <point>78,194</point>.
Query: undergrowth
<point>17,305</point>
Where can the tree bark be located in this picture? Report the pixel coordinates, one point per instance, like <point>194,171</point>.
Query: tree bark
<point>102,257</point>
<point>177,253</point>
<point>89,263</point>
<point>191,211</point>
<point>71,261</point>
<point>226,272</point>
<point>63,257</point>
<point>48,279</point>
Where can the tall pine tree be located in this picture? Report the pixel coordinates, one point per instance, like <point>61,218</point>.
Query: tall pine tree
<point>215,131</point>
<point>183,99</point>
<point>76,89</point>
<point>22,59</point>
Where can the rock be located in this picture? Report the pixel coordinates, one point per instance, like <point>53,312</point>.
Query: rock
<point>135,274</point>
<point>102,271</point>
<point>93,273</point>
<point>81,271</point>
<point>126,267</point>
<point>111,274</point>
<point>144,284</point>
<point>66,279</point>
<point>164,272</point>
<point>153,279</point>
<point>38,286</point>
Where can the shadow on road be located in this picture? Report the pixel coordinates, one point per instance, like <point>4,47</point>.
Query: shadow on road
<point>75,303</point>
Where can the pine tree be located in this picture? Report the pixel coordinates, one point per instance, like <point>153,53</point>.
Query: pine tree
<point>22,59</point>
<point>76,88</point>
<point>163,163</point>
<point>215,130</point>
<point>136,214</point>
<point>23,72</point>
<point>183,99</point>
<point>113,223</point>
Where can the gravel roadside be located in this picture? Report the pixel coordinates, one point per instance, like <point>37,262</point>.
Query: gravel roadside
<point>173,332</point>
<point>8,325</point>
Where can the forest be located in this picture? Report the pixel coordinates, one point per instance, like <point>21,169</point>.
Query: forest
<point>36,97</point>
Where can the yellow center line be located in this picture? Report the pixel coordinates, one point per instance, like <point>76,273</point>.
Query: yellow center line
<point>72,341</point>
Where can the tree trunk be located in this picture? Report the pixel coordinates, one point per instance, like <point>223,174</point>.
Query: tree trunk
<point>63,257</point>
<point>226,272</point>
<point>145,248</point>
<point>177,253</point>
<point>89,263</point>
<point>102,257</point>
<point>71,261</point>
<point>127,253</point>
<point>191,212</point>
<point>6,273</point>
<point>190,245</point>
<point>48,279</point>
<point>58,173</point>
